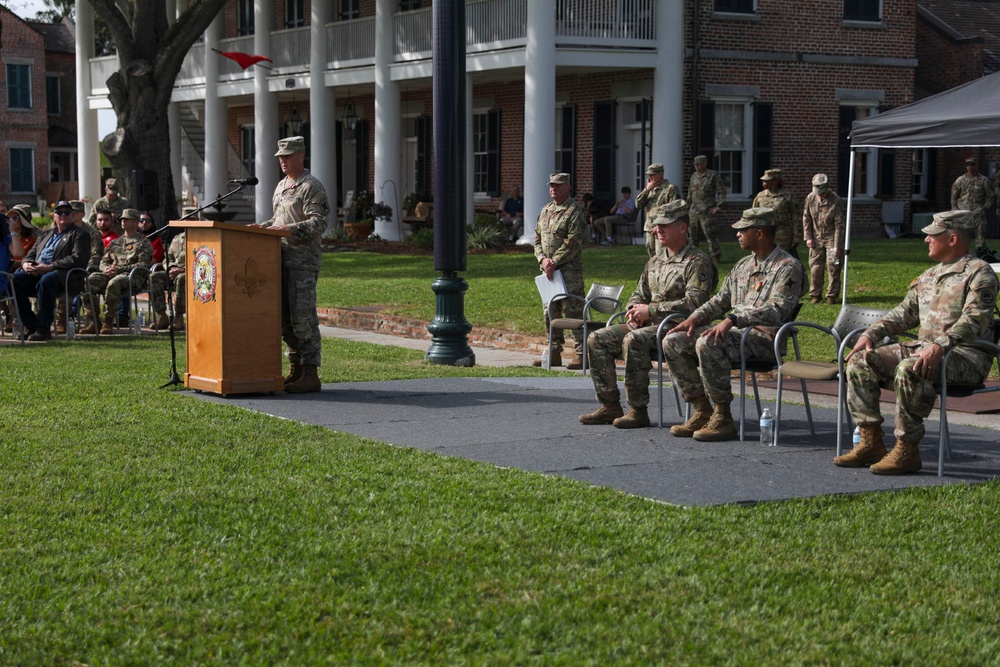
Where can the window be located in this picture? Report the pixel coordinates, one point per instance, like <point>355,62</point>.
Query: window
<point>22,170</point>
<point>248,150</point>
<point>921,173</point>
<point>295,13</point>
<point>244,17</point>
<point>731,150</point>
<point>52,95</point>
<point>18,86</point>
<point>486,153</point>
<point>866,163</point>
<point>862,10</point>
<point>735,6</point>
<point>350,9</point>
<point>407,5</point>
<point>565,160</point>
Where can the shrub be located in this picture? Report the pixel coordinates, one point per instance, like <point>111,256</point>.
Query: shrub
<point>423,238</point>
<point>487,234</point>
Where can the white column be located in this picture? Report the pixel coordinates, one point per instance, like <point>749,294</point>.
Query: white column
<point>470,204</point>
<point>176,168</point>
<point>539,111</point>
<point>265,115</point>
<point>216,167</point>
<point>668,91</point>
<point>387,123</point>
<point>322,111</point>
<point>89,165</point>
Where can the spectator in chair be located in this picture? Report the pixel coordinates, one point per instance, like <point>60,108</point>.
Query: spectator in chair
<point>619,213</point>
<point>512,213</point>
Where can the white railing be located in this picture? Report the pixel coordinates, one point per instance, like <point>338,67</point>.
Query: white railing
<point>193,67</point>
<point>488,22</point>
<point>290,48</point>
<point>350,41</point>
<point>229,69</point>
<point>100,70</point>
<point>413,33</point>
<point>601,20</point>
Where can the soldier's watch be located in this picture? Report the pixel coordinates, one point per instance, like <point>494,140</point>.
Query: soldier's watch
<point>732,318</point>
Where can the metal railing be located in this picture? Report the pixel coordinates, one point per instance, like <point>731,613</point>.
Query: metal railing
<point>602,20</point>
<point>350,42</point>
<point>290,48</point>
<point>193,67</point>
<point>229,69</point>
<point>101,70</point>
<point>490,22</point>
<point>413,33</point>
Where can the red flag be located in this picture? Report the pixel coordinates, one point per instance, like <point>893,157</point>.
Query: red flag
<point>244,60</point>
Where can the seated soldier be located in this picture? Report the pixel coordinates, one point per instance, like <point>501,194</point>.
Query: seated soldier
<point>677,279</point>
<point>172,277</point>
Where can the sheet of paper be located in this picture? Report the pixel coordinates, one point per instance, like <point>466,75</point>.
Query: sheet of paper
<point>548,289</point>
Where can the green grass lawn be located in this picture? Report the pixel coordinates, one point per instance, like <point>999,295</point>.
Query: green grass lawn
<point>140,526</point>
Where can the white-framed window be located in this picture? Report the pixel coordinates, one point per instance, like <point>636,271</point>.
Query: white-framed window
<point>22,170</point>
<point>480,152</point>
<point>350,9</point>
<point>733,157</point>
<point>862,10</point>
<point>735,6</point>
<point>921,173</point>
<point>244,17</point>
<point>295,13</point>
<point>865,158</point>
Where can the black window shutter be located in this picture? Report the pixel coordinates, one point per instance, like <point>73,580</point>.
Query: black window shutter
<point>886,172</point>
<point>931,167</point>
<point>705,130</point>
<point>847,116</point>
<point>339,156</point>
<point>493,153</point>
<point>361,161</point>
<point>604,151</point>
<point>567,152</point>
<point>763,115</point>
<point>423,128</point>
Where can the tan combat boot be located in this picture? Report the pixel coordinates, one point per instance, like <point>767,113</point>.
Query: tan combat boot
<point>870,450</point>
<point>90,329</point>
<point>554,360</point>
<point>307,383</point>
<point>178,323</point>
<point>576,363</point>
<point>162,322</point>
<point>634,418</point>
<point>720,426</point>
<point>903,459</point>
<point>606,414</point>
<point>294,373</point>
<point>702,413</point>
<point>108,326</point>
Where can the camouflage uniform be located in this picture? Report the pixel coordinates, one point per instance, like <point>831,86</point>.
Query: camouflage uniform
<point>952,303</point>
<point>823,224</point>
<point>559,233</point>
<point>762,293</point>
<point>117,207</point>
<point>302,206</point>
<point>125,254</point>
<point>789,231</point>
<point>973,194</point>
<point>160,280</point>
<point>651,200</point>
<point>705,192</point>
<point>670,283</point>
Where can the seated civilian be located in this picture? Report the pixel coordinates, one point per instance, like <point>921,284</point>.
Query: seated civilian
<point>512,213</point>
<point>147,227</point>
<point>622,212</point>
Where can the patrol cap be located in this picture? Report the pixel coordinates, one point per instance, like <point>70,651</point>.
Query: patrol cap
<point>820,183</point>
<point>671,212</point>
<point>972,160</point>
<point>291,145</point>
<point>760,216</point>
<point>700,159</point>
<point>77,205</point>
<point>111,185</point>
<point>655,168</point>
<point>63,206</point>
<point>23,214</point>
<point>131,214</point>
<point>560,178</point>
<point>771,174</point>
<point>950,220</point>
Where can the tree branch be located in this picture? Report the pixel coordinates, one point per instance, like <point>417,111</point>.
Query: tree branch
<point>118,26</point>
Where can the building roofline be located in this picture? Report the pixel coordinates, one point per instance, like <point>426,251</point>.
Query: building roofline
<point>945,28</point>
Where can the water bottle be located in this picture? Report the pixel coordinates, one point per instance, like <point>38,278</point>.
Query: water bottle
<point>70,329</point>
<point>766,428</point>
<point>857,436</point>
<point>546,360</point>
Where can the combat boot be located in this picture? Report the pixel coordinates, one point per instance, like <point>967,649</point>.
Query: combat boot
<point>903,459</point>
<point>606,414</point>
<point>60,324</point>
<point>307,383</point>
<point>814,299</point>
<point>702,413</point>
<point>831,301</point>
<point>554,360</point>
<point>575,364</point>
<point>178,323</point>
<point>634,418</point>
<point>91,328</point>
<point>870,450</point>
<point>294,373</point>
<point>162,322</point>
<point>720,426</point>
<point>108,326</point>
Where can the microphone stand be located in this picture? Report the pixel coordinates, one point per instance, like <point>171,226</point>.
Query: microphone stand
<point>174,377</point>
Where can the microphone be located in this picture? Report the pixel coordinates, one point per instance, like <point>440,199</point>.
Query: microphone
<point>253,180</point>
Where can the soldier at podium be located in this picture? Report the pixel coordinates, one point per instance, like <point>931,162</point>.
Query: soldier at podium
<point>300,206</point>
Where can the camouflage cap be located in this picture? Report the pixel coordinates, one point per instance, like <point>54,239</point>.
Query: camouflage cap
<point>972,160</point>
<point>63,205</point>
<point>950,220</point>
<point>771,174</point>
<point>671,212</point>
<point>111,185</point>
<point>291,145</point>
<point>131,214</point>
<point>700,159</point>
<point>820,183</point>
<point>560,178</point>
<point>760,216</point>
<point>77,205</point>
<point>655,168</point>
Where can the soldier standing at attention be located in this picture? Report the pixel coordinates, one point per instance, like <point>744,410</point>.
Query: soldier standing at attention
<point>559,234</point>
<point>973,192</point>
<point>658,191</point>
<point>823,228</point>
<point>775,197</point>
<point>707,193</point>
<point>678,279</point>
<point>111,201</point>
<point>762,289</point>
<point>300,206</point>
<point>952,303</point>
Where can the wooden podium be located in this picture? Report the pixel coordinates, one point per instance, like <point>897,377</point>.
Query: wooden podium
<point>233,292</point>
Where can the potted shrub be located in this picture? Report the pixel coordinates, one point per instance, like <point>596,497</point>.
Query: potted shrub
<point>362,227</point>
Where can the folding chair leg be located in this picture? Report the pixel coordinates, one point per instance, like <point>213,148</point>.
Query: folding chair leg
<point>777,408</point>
<point>809,414</point>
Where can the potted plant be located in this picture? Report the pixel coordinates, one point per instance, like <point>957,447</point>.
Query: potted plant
<point>361,228</point>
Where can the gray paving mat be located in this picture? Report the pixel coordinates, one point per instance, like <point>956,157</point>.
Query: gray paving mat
<point>531,424</point>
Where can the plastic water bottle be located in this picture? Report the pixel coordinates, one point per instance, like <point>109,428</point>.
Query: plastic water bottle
<point>857,436</point>
<point>546,360</point>
<point>70,329</point>
<point>766,428</point>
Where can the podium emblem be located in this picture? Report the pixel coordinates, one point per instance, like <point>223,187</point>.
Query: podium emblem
<point>204,274</point>
<point>251,280</point>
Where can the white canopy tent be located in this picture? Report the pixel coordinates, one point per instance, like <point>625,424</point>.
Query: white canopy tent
<point>964,116</point>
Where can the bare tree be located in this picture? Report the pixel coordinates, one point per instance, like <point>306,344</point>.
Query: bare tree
<point>151,52</point>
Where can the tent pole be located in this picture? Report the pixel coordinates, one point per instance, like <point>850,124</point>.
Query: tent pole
<point>847,230</point>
